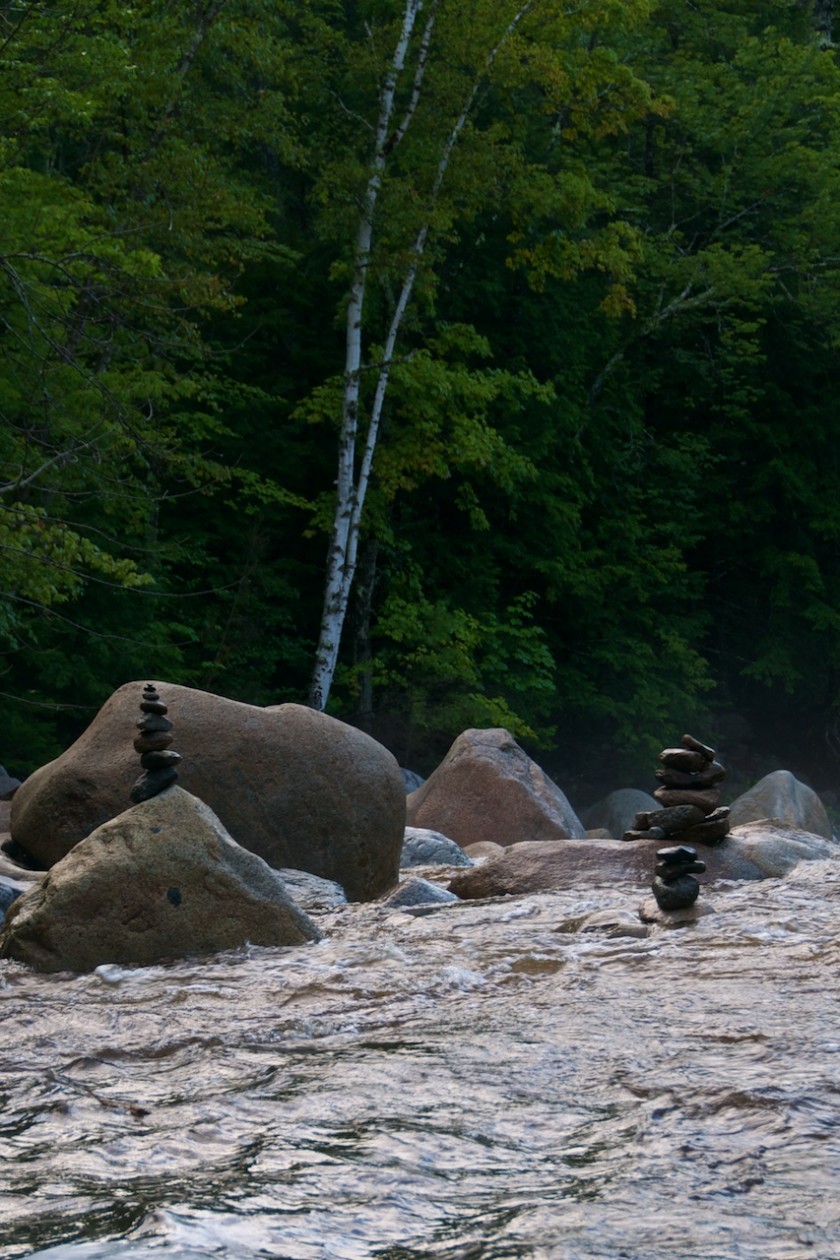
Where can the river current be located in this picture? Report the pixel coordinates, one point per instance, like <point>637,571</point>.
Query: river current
<point>478,1083</point>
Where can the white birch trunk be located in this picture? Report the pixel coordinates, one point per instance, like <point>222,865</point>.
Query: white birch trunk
<point>350,490</point>
<point>339,577</point>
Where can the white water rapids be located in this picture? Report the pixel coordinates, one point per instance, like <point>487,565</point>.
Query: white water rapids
<point>477,1083</point>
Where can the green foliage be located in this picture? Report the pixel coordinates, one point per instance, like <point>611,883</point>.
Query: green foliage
<point>603,502</point>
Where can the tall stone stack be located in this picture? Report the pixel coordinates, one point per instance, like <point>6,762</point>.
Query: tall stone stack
<point>689,792</point>
<point>157,759</point>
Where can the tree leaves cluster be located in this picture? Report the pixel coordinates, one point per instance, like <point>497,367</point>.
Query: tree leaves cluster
<point>578,301</point>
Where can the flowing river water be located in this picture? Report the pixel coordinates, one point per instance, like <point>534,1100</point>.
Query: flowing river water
<point>479,1082</point>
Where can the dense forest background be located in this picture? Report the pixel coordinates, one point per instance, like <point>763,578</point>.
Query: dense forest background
<point>516,320</point>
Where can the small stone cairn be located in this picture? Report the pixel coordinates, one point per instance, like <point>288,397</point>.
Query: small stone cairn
<point>157,759</point>
<point>674,885</point>
<point>689,793</point>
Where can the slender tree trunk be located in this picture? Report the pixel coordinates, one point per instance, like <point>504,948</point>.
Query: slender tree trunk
<point>351,489</point>
<point>824,22</point>
<point>341,554</point>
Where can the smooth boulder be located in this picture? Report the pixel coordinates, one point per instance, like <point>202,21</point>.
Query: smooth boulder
<point>163,880</point>
<point>616,813</point>
<point>766,849</point>
<point>422,847</point>
<point>761,850</point>
<point>538,866</point>
<point>418,892</point>
<point>296,787</point>
<point>488,788</point>
<point>781,795</point>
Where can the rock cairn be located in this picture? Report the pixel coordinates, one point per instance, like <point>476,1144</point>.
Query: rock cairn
<point>689,792</point>
<point>157,759</point>
<point>674,885</point>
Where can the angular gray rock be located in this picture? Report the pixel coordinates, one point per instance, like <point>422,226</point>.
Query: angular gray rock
<point>9,892</point>
<point>8,784</point>
<point>295,786</point>
<point>312,893</point>
<point>422,847</point>
<point>488,788</point>
<point>412,780</point>
<point>615,813</point>
<point>417,892</point>
<point>162,880</point>
<point>782,796</point>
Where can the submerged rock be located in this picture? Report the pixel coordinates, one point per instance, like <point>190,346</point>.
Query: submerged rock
<point>488,788</point>
<point>651,912</point>
<point>163,880</point>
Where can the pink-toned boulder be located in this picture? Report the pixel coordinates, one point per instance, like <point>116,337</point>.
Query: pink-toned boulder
<point>488,788</point>
<point>294,786</point>
<point>762,850</point>
<point>538,867</point>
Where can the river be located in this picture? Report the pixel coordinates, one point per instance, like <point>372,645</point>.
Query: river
<point>478,1083</point>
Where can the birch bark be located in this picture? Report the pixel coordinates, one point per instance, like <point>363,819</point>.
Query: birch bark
<point>352,486</point>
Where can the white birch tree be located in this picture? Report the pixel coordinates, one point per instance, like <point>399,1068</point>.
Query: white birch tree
<point>445,57</point>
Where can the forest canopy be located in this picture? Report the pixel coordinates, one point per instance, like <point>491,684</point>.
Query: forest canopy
<point>442,364</point>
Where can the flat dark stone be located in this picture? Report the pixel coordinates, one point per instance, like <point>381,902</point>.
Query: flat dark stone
<point>677,853</point>
<point>159,760</point>
<point>714,773</point>
<point>672,820</point>
<point>675,896</point>
<point>683,759</point>
<point>688,741</point>
<point>151,784</point>
<point>713,830</point>
<point>153,722</point>
<point>669,873</point>
<point>153,742</point>
<point>154,706</point>
<point>654,833</point>
<point>706,799</point>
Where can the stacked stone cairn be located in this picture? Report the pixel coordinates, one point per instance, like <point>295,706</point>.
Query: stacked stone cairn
<point>157,759</point>
<point>689,792</point>
<point>674,885</point>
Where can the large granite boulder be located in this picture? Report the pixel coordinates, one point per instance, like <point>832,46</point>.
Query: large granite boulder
<point>162,880</point>
<point>538,866</point>
<point>616,813</point>
<point>781,795</point>
<point>767,849</point>
<point>296,787</point>
<point>488,788</point>
<point>758,851</point>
